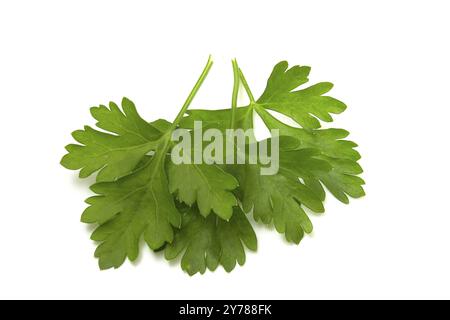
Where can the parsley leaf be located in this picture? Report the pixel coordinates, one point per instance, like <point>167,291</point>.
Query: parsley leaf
<point>137,205</point>
<point>303,105</point>
<point>208,185</point>
<point>208,242</point>
<point>279,198</point>
<point>113,154</point>
<point>342,180</point>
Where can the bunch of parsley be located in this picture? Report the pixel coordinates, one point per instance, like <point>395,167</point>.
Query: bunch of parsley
<point>201,211</point>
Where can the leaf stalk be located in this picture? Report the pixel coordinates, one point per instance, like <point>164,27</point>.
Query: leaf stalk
<point>192,94</point>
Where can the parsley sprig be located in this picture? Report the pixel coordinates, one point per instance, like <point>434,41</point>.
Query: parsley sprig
<point>201,212</point>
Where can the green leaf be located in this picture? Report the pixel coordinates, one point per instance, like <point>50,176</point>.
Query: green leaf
<point>211,241</point>
<point>342,180</point>
<point>305,105</point>
<point>278,198</point>
<point>114,154</point>
<point>329,141</point>
<point>208,185</point>
<point>137,205</point>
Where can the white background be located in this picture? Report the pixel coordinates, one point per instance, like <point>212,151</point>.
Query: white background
<point>389,61</point>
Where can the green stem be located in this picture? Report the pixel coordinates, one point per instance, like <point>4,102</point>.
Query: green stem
<point>234,96</point>
<point>192,94</point>
<point>246,87</point>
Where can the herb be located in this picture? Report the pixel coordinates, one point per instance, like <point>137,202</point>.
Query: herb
<point>208,242</point>
<point>200,212</point>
